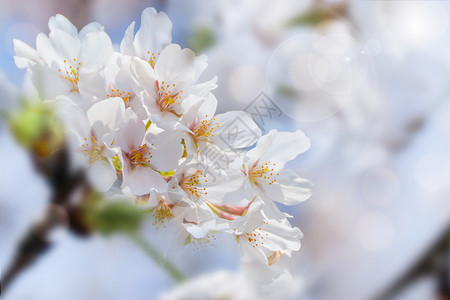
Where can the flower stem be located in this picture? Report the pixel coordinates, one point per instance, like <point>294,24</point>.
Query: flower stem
<point>151,251</point>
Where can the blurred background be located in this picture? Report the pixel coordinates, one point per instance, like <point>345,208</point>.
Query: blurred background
<point>367,81</point>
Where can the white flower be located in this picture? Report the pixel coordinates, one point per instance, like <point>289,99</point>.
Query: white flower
<point>268,241</point>
<point>264,170</point>
<point>62,57</point>
<point>143,154</point>
<point>113,81</point>
<point>193,182</point>
<point>92,136</point>
<point>154,34</point>
<point>228,131</point>
<point>195,185</point>
<point>171,87</point>
<point>260,239</point>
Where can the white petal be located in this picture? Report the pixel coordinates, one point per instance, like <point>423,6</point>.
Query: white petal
<point>219,185</point>
<point>92,86</point>
<point>141,180</point>
<point>65,44</point>
<point>236,130</point>
<point>130,135</point>
<point>281,236</point>
<point>144,78</point>
<point>176,65</point>
<point>46,50</point>
<point>168,150</point>
<point>91,27</point>
<point>271,210</point>
<point>60,22</point>
<point>202,89</point>
<point>48,83</point>
<point>127,44</point>
<point>24,54</point>
<point>154,33</point>
<point>200,231</point>
<point>289,188</point>
<point>278,147</point>
<point>102,175</point>
<point>73,118</point>
<point>95,51</point>
<point>106,115</point>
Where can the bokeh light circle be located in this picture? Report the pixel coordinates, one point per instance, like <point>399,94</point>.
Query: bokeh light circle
<point>312,75</point>
<point>375,231</point>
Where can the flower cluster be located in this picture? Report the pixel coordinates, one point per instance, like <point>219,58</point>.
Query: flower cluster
<point>141,123</point>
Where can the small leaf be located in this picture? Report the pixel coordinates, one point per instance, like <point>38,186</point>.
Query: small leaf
<point>112,216</point>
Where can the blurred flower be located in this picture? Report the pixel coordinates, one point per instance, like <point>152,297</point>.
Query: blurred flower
<point>235,286</point>
<point>62,57</point>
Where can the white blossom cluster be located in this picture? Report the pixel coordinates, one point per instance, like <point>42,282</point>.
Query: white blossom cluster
<point>141,123</point>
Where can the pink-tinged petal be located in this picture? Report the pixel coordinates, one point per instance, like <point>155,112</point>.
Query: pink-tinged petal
<point>165,120</point>
<point>168,150</point>
<point>141,181</point>
<point>149,39</point>
<point>127,44</point>
<point>102,175</point>
<point>106,116</point>
<point>60,22</point>
<point>192,114</point>
<point>194,109</point>
<point>138,108</point>
<point>235,129</point>
<point>130,135</point>
<point>247,223</point>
